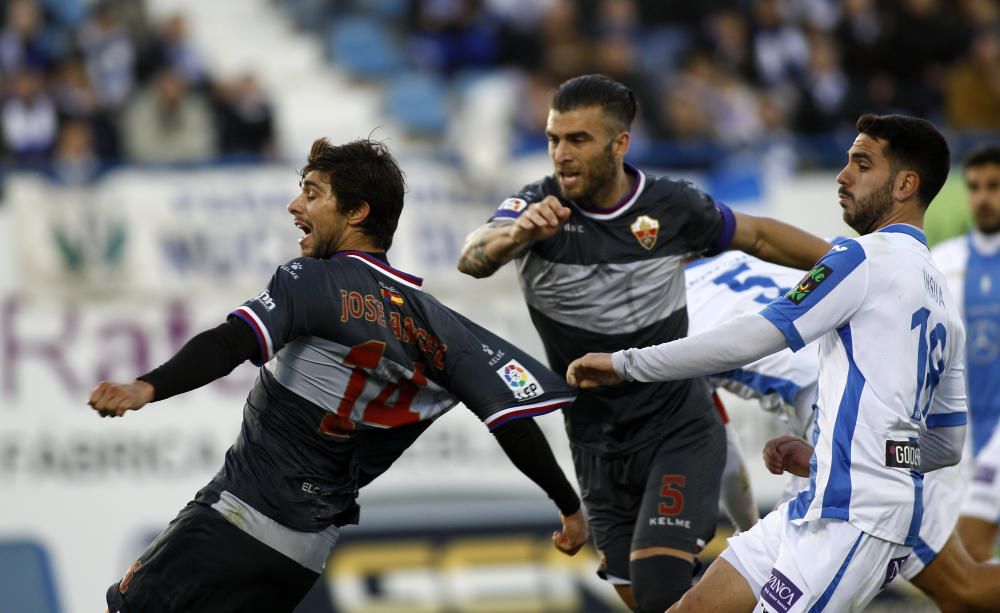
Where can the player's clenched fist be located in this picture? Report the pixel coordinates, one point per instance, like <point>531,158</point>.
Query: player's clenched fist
<point>592,370</point>
<point>113,399</point>
<point>788,453</point>
<point>540,221</point>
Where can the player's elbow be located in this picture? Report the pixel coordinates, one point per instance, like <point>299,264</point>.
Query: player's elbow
<point>468,267</point>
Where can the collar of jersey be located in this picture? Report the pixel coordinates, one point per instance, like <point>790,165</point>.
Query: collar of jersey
<point>403,277</point>
<point>623,205</point>
<point>903,228</point>
<point>986,244</point>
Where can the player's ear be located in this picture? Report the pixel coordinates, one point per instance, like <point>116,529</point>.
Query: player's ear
<point>358,214</point>
<point>620,144</point>
<point>907,184</point>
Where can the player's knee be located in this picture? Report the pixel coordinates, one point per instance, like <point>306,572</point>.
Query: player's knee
<point>659,581</point>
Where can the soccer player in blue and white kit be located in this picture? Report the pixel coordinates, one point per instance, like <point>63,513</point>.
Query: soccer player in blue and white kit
<point>971,264</point>
<point>734,284</point>
<point>891,394</point>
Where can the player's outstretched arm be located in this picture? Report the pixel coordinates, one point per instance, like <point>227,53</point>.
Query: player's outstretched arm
<point>523,442</point>
<point>113,399</point>
<point>777,242</point>
<point>497,242</point>
<point>206,357</point>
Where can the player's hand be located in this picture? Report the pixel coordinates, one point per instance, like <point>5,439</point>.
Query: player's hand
<point>540,221</point>
<point>592,370</point>
<point>113,399</point>
<point>788,453</point>
<point>574,533</point>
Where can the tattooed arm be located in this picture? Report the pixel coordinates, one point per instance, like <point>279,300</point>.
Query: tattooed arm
<point>495,243</point>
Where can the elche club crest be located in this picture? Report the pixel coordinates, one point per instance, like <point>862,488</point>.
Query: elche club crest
<point>645,230</point>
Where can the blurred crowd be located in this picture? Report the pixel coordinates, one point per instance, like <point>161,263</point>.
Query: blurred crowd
<point>731,72</point>
<point>89,84</point>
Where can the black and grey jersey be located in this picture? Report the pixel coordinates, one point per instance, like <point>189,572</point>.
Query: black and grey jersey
<point>357,362</point>
<point>612,279</point>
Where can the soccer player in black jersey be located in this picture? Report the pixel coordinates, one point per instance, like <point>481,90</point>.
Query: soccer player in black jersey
<point>357,363</point>
<point>600,248</point>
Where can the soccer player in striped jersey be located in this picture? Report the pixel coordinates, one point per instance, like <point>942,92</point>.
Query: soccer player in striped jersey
<point>356,362</point>
<point>891,397</point>
<point>971,263</point>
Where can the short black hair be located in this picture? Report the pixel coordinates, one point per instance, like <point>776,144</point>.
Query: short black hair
<point>914,144</point>
<point>362,171</point>
<point>982,155</point>
<point>616,100</point>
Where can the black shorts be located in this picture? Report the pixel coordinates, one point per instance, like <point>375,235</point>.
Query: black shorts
<point>663,495</point>
<point>202,562</point>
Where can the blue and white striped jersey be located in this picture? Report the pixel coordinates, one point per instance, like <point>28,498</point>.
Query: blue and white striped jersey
<point>734,284</point>
<point>891,365</point>
<point>971,265</point>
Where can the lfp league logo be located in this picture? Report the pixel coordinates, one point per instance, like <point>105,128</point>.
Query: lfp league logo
<point>521,382</point>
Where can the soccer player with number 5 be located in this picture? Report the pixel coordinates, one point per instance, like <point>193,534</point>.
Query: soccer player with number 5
<point>891,394</point>
<point>356,363</point>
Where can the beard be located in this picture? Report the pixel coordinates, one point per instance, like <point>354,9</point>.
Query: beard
<point>988,221</point>
<point>869,211</point>
<point>597,178</point>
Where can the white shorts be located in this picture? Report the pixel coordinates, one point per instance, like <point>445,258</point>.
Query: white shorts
<point>825,563</point>
<point>982,494</point>
<point>942,495</point>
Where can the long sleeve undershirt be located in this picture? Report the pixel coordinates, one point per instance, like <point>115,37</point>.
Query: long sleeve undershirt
<point>731,345</point>
<point>214,353</point>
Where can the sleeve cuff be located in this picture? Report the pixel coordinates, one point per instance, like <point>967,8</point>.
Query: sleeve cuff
<point>725,238</point>
<point>946,420</point>
<point>785,326</point>
<point>619,362</point>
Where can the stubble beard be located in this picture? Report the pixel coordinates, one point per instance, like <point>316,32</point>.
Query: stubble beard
<point>599,177</point>
<point>870,211</point>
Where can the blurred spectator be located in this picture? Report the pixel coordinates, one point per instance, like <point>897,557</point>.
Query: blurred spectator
<point>29,119</point>
<point>451,35</point>
<point>167,122</point>
<point>973,98</point>
<point>859,35</point>
<point>171,48</point>
<point>109,55</point>
<point>566,50</point>
<point>24,41</point>
<point>728,34</point>
<point>75,162</point>
<point>823,101</point>
<point>245,119</point>
<point>780,48</point>
<point>923,37</point>
<point>75,98</point>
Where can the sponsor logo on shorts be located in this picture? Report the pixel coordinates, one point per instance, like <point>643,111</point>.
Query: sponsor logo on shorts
<point>520,380</point>
<point>128,576</point>
<point>779,592</point>
<point>895,565</point>
<point>985,474</point>
<point>902,454</point>
<point>813,279</point>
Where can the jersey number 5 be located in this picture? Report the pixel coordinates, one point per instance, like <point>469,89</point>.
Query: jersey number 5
<point>929,370</point>
<point>383,410</point>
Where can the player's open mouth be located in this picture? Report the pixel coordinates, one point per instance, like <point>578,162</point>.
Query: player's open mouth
<point>306,230</point>
<point>569,178</point>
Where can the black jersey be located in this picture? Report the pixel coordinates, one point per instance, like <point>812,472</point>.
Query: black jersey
<point>357,362</point>
<point>612,279</point>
